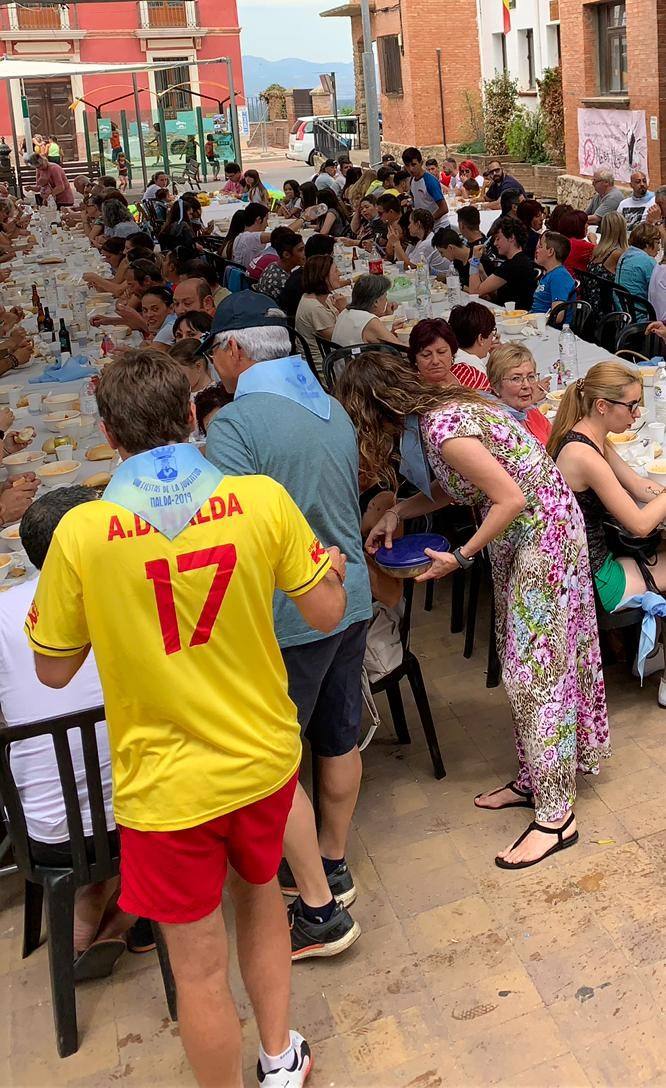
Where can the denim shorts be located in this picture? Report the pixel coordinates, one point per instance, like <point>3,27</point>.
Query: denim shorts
<point>325,684</point>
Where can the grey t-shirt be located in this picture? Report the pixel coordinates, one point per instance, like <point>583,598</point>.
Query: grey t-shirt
<point>609,203</point>
<point>316,460</point>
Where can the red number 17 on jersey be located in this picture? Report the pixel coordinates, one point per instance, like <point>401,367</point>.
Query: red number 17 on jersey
<point>158,571</point>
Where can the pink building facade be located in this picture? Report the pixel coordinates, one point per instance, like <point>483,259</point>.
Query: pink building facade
<point>181,32</point>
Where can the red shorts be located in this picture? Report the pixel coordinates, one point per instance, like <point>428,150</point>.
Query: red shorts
<point>178,876</point>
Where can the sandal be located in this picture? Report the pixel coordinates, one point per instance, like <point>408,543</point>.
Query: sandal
<point>98,960</point>
<point>527,798</point>
<point>561,844</point>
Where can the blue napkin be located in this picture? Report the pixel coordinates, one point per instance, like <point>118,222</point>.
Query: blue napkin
<point>74,370</point>
<point>653,605</point>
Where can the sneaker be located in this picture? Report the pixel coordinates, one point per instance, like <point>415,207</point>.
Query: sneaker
<point>289,1078</point>
<point>340,881</point>
<point>321,938</point>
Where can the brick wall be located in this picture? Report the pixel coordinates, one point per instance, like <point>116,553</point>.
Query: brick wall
<point>415,116</point>
<point>646,58</point>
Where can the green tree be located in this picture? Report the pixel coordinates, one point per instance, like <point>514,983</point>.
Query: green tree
<point>500,95</point>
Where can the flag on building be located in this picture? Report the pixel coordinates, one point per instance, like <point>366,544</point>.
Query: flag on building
<point>507,16</point>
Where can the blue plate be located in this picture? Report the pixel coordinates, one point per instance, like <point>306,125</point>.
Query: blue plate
<point>409,551</point>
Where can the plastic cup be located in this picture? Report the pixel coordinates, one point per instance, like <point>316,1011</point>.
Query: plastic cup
<point>509,307</point>
<point>34,402</point>
<point>656,432</point>
<point>14,397</point>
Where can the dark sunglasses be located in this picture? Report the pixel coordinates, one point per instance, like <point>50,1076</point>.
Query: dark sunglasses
<point>632,405</point>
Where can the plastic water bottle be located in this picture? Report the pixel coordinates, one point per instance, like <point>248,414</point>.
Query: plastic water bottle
<point>453,287</point>
<point>87,398</point>
<point>568,354</point>
<point>422,284</point>
<point>650,380</point>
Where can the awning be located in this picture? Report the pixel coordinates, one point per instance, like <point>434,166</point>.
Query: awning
<point>36,69</point>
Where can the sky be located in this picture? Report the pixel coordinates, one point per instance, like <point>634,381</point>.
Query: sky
<point>292,28</point>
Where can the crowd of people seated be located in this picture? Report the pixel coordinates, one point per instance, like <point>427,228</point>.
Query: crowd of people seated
<point>284,470</point>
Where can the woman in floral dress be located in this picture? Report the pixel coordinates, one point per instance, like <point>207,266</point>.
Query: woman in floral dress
<point>532,526</point>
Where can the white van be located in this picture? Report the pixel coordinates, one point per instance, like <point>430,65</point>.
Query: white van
<point>301,137</point>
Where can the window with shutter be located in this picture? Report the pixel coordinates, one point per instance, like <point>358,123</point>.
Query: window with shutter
<point>390,63</point>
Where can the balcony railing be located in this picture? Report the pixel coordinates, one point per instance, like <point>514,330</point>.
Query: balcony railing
<point>38,17</point>
<point>167,14</point>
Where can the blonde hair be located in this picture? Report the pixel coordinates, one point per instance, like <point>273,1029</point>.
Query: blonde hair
<point>379,390</point>
<point>612,236</point>
<point>359,189</point>
<point>603,381</point>
<point>505,358</point>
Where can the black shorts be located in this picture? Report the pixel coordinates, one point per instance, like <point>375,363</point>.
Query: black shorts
<point>325,684</point>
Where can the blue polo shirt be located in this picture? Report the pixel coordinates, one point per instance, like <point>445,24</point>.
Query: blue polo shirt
<point>555,286</point>
<point>316,460</point>
<point>634,269</point>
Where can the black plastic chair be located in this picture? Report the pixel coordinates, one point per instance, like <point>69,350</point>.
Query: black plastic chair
<point>639,308</point>
<point>609,329</point>
<point>576,314</point>
<point>54,888</point>
<point>598,290</point>
<point>336,359</point>
<point>299,344</point>
<point>481,575</point>
<point>635,340</point>
<point>390,684</point>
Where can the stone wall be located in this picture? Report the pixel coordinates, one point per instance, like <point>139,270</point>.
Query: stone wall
<point>276,134</point>
<point>542,180</point>
<point>578,191</point>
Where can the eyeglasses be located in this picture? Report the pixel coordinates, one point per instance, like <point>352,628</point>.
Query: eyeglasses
<point>520,379</point>
<point>632,405</point>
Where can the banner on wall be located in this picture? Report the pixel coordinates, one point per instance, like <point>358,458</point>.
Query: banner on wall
<point>614,140</point>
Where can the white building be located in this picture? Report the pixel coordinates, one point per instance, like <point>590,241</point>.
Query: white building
<point>531,44</point>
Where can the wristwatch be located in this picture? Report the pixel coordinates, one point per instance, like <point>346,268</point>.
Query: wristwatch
<point>462,560</point>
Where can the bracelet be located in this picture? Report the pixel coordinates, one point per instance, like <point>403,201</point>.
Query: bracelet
<point>395,513</point>
<point>13,361</point>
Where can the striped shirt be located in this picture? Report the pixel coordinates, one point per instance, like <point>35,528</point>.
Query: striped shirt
<point>470,377</point>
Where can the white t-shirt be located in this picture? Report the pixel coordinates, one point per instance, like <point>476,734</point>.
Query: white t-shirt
<point>247,246</point>
<point>151,191</point>
<point>325,181</point>
<point>634,208</point>
<point>24,699</point>
<point>424,251</point>
<point>463,356</point>
<point>349,327</point>
<point>657,291</point>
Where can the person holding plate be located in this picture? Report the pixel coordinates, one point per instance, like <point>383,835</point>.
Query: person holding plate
<point>534,532</point>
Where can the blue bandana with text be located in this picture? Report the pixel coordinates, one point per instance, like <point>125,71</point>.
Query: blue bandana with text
<point>166,486</point>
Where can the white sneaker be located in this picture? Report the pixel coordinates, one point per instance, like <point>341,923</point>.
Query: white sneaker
<point>653,663</point>
<point>661,698</point>
<point>289,1078</point>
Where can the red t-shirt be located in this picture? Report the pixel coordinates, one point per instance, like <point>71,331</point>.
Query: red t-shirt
<point>537,424</point>
<point>579,257</point>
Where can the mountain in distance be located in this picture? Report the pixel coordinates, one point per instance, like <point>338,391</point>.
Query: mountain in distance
<point>259,73</point>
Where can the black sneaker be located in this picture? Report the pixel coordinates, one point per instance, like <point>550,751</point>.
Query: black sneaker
<point>321,938</point>
<point>340,881</point>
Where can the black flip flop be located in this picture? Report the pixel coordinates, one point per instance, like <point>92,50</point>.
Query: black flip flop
<point>527,798</point>
<point>561,844</point>
<point>99,959</point>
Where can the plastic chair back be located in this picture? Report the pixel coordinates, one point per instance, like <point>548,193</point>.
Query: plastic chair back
<point>336,360</point>
<point>634,340</point>
<point>609,329</point>
<point>87,870</point>
<point>576,313</point>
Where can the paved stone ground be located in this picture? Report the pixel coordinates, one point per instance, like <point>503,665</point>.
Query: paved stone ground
<point>465,974</point>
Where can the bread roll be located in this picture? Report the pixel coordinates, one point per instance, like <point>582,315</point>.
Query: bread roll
<point>99,479</point>
<point>102,452</point>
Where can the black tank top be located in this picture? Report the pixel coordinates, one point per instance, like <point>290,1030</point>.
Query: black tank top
<point>593,510</point>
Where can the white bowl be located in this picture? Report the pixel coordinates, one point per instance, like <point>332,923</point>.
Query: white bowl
<point>658,477</point>
<point>11,537</point>
<point>58,473</point>
<point>5,565</point>
<point>625,443</point>
<point>60,402</point>
<point>555,397</point>
<point>25,461</point>
<point>60,422</point>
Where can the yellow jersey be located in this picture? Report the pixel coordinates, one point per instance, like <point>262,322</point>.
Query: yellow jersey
<point>195,689</point>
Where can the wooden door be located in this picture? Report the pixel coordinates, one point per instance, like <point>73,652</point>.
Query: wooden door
<point>48,105</point>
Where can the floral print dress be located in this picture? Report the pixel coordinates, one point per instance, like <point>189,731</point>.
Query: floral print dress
<point>546,623</point>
